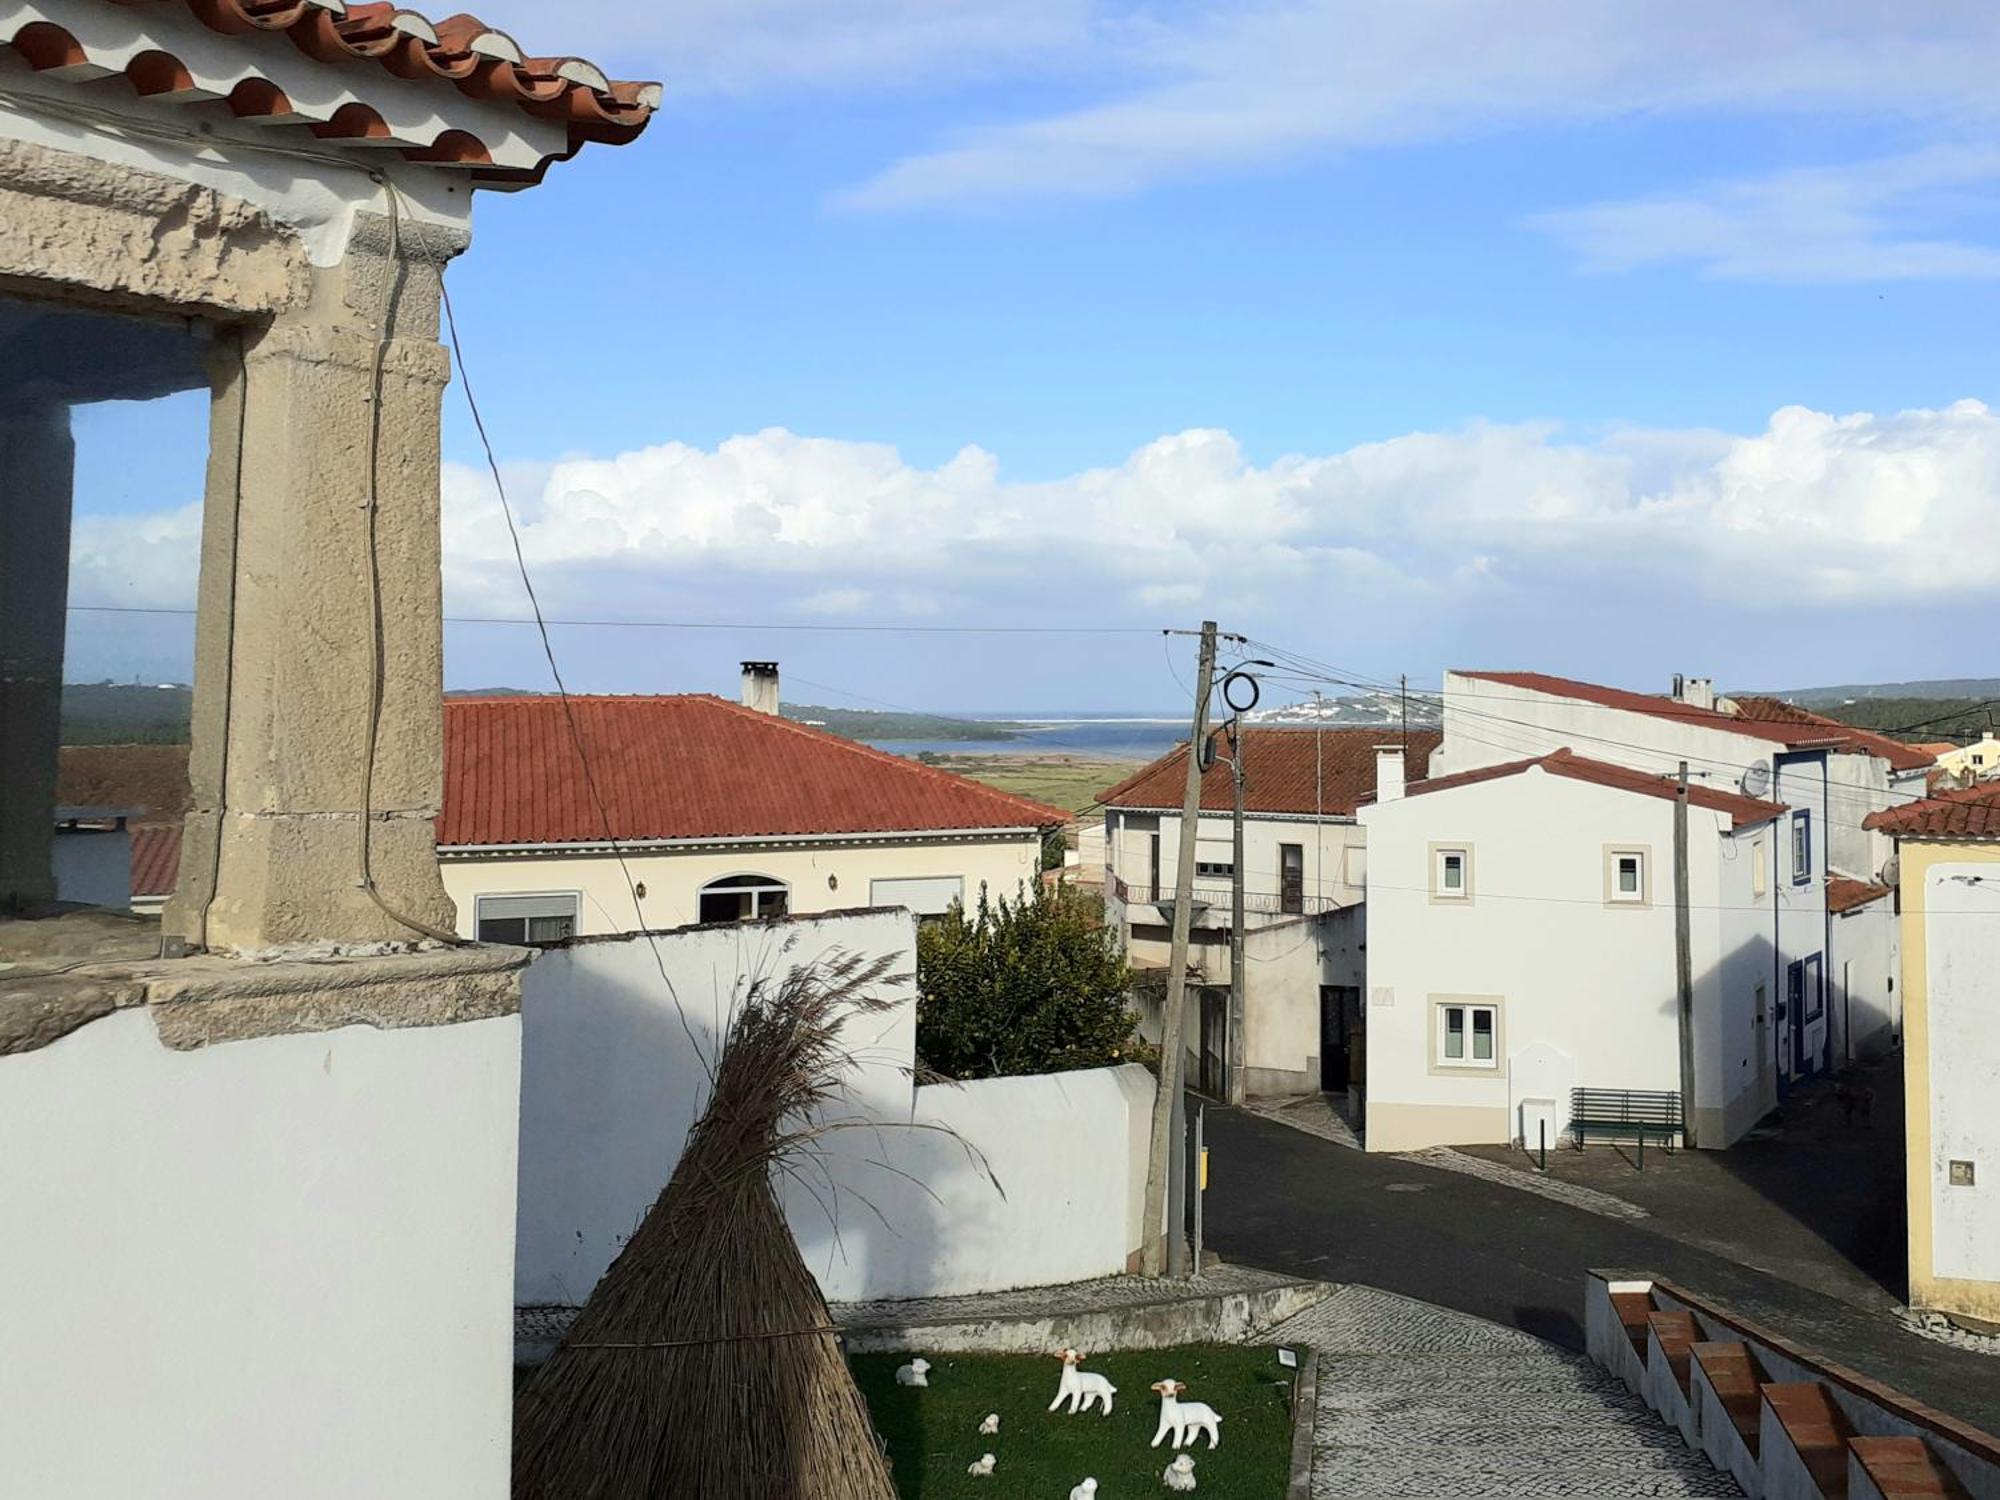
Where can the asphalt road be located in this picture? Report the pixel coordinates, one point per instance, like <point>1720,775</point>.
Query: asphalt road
<point>1286,1201</point>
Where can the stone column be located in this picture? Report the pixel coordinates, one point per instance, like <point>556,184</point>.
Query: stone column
<point>288,614</point>
<point>37,465</point>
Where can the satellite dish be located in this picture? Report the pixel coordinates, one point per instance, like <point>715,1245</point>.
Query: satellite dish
<point>1757,778</point>
<point>1892,871</point>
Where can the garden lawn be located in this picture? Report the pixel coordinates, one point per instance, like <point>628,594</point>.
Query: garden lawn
<point>932,1432</point>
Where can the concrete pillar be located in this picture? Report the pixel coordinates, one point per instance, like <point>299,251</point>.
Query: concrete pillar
<point>287,621</point>
<point>37,465</point>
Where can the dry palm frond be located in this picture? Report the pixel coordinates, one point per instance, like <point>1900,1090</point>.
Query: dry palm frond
<point>704,1363</point>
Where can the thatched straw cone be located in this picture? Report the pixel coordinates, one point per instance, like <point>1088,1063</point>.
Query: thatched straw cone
<point>703,1364</point>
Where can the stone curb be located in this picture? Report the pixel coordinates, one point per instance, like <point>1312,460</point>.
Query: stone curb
<point>1305,1407</point>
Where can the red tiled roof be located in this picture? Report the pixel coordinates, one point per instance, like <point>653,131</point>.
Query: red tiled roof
<point>689,766</point>
<point>156,859</point>
<point>1302,771</point>
<point>1843,894</point>
<point>1972,813</point>
<point>1935,748</point>
<point>461,52</point>
<point>1900,756</point>
<point>1743,811</point>
<point>1792,736</point>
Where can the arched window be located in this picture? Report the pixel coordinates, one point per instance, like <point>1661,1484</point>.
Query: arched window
<point>739,898</point>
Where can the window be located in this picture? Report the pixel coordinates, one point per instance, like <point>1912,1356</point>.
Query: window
<point>743,898</point>
<point>526,921</point>
<point>1215,859</point>
<point>1468,1035</point>
<point>1451,872</point>
<point>1292,879</point>
<point>1760,869</point>
<point>1802,860</point>
<point>1153,867</point>
<point>1811,982</point>
<point>1627,877</point>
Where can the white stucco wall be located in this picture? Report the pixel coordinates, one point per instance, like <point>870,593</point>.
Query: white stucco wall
<point>1962,944</point>
<point>1866,958</point>
<point>271,1267</point>
<point>1324,842</point>
<point>822,877</point>
<point>611,1084</point>
<point>1586,989</point>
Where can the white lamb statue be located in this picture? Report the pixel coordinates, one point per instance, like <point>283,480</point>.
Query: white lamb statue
<point>916,1372</point>
<point>1179,1475</point>
<point>1080,1388</point>
<point>1085,1491</point>
<point>981,1467</point>
<point>991,1425</point>
<point>1185,1419</point>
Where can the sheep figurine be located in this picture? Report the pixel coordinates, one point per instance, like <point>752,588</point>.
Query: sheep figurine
<point>1080,1388</point>
<point>1185,1419</point>
<point>981,1467</point>
<point>1085,1491</point>
<point>991,1425</point>
<point>1179,1475</point>
<point>916,1372</point>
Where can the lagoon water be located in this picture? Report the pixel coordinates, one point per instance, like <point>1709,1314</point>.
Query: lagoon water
<point>1132,737</point>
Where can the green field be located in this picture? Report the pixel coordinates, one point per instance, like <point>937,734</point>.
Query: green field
<point>932,1433</point>
<point>1070,782</point>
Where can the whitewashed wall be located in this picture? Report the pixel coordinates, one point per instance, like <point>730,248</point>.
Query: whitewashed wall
<point>1962,943</point>
<point>611,1084</point>
<point>271,1267</point>
<point>1866,957</point>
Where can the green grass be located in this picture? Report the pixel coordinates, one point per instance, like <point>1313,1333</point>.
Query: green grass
<point>1066,781</point>
<point>933,1433</point>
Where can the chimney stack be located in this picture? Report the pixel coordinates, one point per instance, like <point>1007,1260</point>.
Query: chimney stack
<point>1695,692</point>
<point>1388,773</point>
<point>760,686</point>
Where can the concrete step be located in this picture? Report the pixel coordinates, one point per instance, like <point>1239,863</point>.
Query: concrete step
<point>1803,1413</point>
<point>1633,1308</point>
<point>1734,1372</point>
<point>1677,1334</point>
<point>1898,1468</point>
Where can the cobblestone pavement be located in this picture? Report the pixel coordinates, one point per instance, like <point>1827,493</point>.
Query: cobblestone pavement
<point>1522,1179</point>
<point>1417,1401</point>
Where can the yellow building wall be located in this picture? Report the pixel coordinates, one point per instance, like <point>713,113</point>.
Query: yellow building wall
<point>1977,1299</point>
<point>821,877</point>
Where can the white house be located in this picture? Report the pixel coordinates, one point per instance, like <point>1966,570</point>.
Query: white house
<point>687,809</point>
<point>1974,762</point>
<point>1830,776</point>
<point>1522,943</point>
<point>1305,868</point>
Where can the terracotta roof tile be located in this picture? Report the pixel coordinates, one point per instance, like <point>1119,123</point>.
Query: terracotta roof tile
<point>461,53</point>
<point>1935,748</point>
<point>1843,894</point>
<point>1300,771</point>
<point>1793,736</point>
<point>1743,811</point>
<point>156,859</point>
<point>1899,755</point>
<point>688,767</point>
<point>1973,813</point>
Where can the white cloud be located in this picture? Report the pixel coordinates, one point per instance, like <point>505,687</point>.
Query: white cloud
<point>1815,511</point>
<point>1201,88</point>
<point>1885,220</point>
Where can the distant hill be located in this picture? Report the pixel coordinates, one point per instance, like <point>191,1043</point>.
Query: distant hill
<point>123,713</point>
<point>1966,688</point>
<point>868,724</point>
<point>1914,718</point>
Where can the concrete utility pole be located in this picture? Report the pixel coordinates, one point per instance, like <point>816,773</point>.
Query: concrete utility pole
<point>1165,1157</point>
<point>1233,1087</point>
<point>1684,956</point>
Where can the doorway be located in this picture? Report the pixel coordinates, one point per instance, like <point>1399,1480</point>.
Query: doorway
<point>1212,1062</point>
<point>1338,1005</point>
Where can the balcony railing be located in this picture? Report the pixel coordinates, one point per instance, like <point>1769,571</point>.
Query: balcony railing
<point>1211,901</point>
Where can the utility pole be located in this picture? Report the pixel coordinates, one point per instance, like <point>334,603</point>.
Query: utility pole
<point>1234,1084</point>
<point>1684,955</point>
<point>1165,1158</point>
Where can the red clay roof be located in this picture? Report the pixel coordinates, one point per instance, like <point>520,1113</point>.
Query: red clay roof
<point>1793,736</point>
<point>1935,748</point>
<point>156,859</point>
<point>1900,756</point>
<point>1843,894</point>
<point>1743,811</point>
<point>1302,771</point>
<point>1972,813</point>
<point>689,766</point>
<point>461,52</point>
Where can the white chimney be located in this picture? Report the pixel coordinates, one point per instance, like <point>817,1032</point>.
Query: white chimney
<point>1388,773</point>
<point>760,686</point>
<point>1695,692</point>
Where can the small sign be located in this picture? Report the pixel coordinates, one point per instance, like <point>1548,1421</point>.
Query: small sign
<point>1289,1358</point>
<point>1961,1173</point>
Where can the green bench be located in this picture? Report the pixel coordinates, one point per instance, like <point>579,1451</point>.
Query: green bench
<point>1626,1112</point>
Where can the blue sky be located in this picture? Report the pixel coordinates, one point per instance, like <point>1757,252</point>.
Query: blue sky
<point>1608,340</point>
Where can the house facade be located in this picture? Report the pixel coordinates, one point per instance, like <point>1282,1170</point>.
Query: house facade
<point>1521,932</point>
<point>1948,892</point>
<point>688,809</point>
<point>1974,762</point>
<point>1305,873</point>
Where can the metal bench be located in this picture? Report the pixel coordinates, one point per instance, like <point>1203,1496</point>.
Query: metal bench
<point>1626,1112</point>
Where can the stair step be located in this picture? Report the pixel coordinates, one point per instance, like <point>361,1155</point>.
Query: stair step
<point>1904,1468</point>
<point>1733,1370</point>
<point>1633,1308</point>
<point>1817,1428</point>
<point>1676,1333</point>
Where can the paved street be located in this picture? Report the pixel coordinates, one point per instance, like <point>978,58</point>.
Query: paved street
<point>1287,1201</point>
